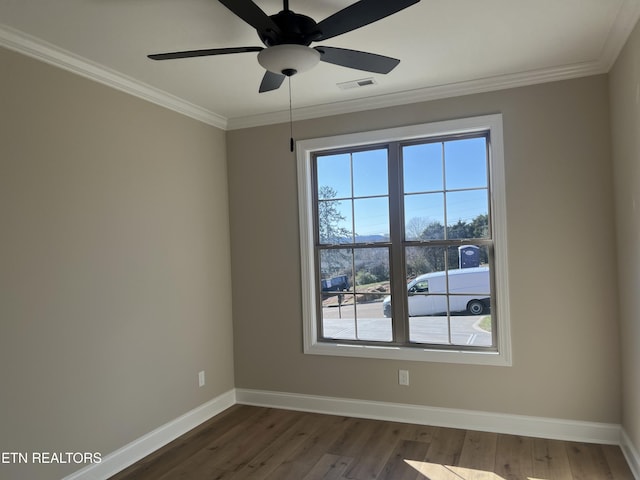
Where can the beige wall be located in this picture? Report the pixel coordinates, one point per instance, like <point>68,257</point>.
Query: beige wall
<point>561,261</point>
<point>114,265</point>
<point>624,90</point>
<point>114,261</point>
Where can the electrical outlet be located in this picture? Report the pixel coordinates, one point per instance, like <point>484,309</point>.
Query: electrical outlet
<point>403,377</point>
<point>201,378</point>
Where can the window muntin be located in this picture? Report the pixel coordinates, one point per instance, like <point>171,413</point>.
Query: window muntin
<point>352,208</point>
<point>411,151</point>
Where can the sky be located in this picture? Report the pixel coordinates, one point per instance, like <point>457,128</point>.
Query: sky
<point>361,182</point>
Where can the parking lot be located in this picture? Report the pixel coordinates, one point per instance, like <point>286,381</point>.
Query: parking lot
<point>372,325</point>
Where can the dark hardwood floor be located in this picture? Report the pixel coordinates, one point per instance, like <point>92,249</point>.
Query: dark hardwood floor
<point>269,444</point>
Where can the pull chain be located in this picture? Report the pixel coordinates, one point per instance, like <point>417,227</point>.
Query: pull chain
<point>290,119</point>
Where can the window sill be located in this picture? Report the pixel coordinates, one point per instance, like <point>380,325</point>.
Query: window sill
<point>415,354</point>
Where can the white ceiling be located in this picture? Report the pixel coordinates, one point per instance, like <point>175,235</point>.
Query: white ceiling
<point>446,47</point>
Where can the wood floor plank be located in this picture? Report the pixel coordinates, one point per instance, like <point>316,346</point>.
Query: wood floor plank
<point>354,438</point>
<point>617,463</point>
<point>377,450</point>
<point>179,451</point>
<point>550,460</point>
<point>237,446</point>
<point>587,462</point>
<point>514,457</point>
<point>298,463</point>
<point>237,453</point>
<point>202,463</point>
<point>269,458</point>
<point>446,446</point>
<point>256,443</point>
<point>419,433</point>
<point>478,455</point>
<point>404,462</point>
<point>329,467</point>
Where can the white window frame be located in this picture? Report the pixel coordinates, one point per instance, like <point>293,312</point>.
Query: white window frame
<point>304,150</point>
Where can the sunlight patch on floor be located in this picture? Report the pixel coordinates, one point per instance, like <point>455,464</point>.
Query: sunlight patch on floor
<point>437,471</point>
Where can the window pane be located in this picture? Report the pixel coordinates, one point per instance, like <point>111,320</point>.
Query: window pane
<point>372,219</point>
<point>449,304</point>
<point>372,272</point>
<point>355,312</point>
<point>359,321</point>
<point>335,222</point>
<point>428,209</point>
<point>463,330</point>
<point>467,284</point>
<point>372,286</point>
<point>336,269</point>
<point>338,318</point>
<point>467,256</point>
<point>336,278</point>
<point>466,163</point>
<point>370,173</point>
<point>422,167</point>
<point>334,176</point>
<point>467,214</point>
<point>371,323</point>
<point>471,330</point>
<point>434,329</point>
<point>422,260</point>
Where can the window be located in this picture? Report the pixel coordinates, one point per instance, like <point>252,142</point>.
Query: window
<point>403,243</point>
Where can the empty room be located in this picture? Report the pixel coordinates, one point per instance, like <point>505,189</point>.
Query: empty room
<point>319,239</point>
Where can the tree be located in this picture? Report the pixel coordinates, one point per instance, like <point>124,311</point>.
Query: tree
<point>332,231</point>
<point>425,259</point>
<point>330,218</point>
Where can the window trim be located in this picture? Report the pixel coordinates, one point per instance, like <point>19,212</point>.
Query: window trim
<point>304,149</point>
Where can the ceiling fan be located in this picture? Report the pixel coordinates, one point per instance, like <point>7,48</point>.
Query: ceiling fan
<point>287,36</point>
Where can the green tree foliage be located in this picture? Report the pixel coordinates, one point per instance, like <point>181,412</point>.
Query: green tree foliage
<point>425,259</point>
<point>329,217</point>
<point>331,231</point>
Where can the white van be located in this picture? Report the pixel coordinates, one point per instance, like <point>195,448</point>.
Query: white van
<point>469,290</point>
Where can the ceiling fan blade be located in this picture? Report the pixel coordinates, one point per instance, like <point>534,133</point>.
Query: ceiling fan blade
<point>369,62</point>
<point>270,81</point>
<point>252,14</point>
<point>203,53</point>
<point>358,15</point>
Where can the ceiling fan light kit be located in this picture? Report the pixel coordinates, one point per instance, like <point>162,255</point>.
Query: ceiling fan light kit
<point>288,59</point>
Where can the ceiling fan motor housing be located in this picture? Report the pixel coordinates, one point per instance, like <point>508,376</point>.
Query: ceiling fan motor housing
<point>294,29</point>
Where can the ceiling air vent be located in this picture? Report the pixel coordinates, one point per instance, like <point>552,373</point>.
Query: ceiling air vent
<point>363,82</point>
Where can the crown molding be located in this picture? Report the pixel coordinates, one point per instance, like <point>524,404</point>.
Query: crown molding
<point>48,53</point>
<point>624,23</point>
<point>436,92</point>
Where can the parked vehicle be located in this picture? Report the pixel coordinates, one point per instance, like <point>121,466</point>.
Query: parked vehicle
<point>469,290</point>
<point>335,284</point>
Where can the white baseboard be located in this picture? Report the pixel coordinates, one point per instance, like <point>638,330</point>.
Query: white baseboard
<point>631,454</point>
<point>152,441</point>
<point>541,427</point>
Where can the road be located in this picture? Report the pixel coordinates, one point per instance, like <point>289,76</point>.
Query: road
<point>373,325</point>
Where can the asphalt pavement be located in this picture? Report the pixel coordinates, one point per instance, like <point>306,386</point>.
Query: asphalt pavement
<point>371,324</point>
